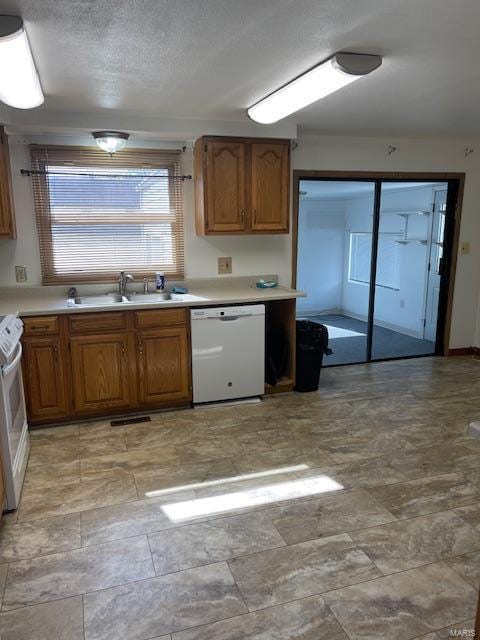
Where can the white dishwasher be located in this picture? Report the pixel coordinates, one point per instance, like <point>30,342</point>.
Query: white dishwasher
<point>228,352</point>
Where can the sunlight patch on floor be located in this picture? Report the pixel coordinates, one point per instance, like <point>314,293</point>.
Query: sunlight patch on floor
<point>301,488</point>
<point>231,479</point>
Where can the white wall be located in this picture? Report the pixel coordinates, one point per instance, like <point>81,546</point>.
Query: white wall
<point>403,309</point>
<point>338,153</point>
<point>321,233</point>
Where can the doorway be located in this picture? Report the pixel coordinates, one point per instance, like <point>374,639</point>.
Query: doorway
<point>374,255</point>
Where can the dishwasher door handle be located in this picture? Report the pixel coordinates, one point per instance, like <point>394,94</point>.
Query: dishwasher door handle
<point>230,318</point>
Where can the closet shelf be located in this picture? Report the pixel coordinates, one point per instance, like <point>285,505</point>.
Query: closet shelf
<point>414,240</point>
<point>403,213</point>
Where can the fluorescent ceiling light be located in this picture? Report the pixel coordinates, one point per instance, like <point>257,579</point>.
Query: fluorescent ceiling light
<point>19,82</point>
<point>111,141</point>
<point>321,81</point>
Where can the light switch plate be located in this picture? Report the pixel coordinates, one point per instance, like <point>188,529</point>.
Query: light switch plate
<point>20,273</point>
<point>224,265</point>
<point>464,248</point>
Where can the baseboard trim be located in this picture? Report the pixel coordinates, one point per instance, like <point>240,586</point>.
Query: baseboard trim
<point>464,351</point>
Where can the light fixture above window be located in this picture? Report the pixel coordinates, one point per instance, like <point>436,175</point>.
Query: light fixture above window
<point>111,141</point>
<point>333,74</point>
<point>19,82</point>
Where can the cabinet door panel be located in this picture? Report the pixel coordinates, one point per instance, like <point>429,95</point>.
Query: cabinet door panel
<point>100,372</point>
<point>44,378</point>
<point>270,187</point>
<point>225,187</point>
<point>7,218</point>
<point>163,366</point>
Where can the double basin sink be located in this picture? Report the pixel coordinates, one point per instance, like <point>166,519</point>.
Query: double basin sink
<point>115,298</point>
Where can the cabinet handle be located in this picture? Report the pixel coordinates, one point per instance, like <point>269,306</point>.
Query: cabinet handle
<point>123,350</point>
<point>242,213</point>
<point>140,347</point>
<point>39,327</point>
<point>55,352</point>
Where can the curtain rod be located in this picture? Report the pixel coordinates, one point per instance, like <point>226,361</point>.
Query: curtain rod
<point>36,172</point>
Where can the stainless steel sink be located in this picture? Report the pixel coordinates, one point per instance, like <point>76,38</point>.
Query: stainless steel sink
<point>155,296</point>
<point>115,298</point>
<point>97,301</point>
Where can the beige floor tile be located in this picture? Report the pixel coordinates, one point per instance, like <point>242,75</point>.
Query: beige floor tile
<point>309,568</point>
<point>75,572</point>
<point>468,566</point>
<point>56,451</point>
<point>184,475</point>
<point>51,475</point>
<point>306,619</point>
<point>49,434</point>
<point>41,503</point>
<point>60,620</point>
<point>404,605</point>
<point>161,605</point>
<point>427,495</point>
<point>459,630</point>
<point>142,460</point>
<point>40,537</point>
<point>410,543</point>
<point>93,447</point>
<point>128,519</point>
<point>471,514</point>
<point>204,543</point>
<point>336,513</point>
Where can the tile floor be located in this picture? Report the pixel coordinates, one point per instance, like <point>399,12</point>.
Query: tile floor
<point>351,513</point>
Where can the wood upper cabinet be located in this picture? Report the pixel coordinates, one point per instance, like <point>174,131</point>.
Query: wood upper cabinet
<point>225,187</point>
<point>101,372</point>
<point>7,218</point>
<point>270,186</point>
<point>163,365</point>
<point>45,382</point>
<point>241,185</point>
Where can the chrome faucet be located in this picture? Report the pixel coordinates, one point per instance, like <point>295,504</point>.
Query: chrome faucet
<point>124,279</point>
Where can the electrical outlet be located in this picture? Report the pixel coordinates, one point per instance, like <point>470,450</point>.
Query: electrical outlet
<point>465,248</point>
<point>224,265</point>
<point>20,273</point>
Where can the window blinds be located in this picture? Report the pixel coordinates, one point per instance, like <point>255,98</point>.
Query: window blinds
<point>97,215</point>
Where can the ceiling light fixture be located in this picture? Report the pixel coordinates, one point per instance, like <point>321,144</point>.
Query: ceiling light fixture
<point>111,141</point>
<point>19,82</point>
<point>333,74</point>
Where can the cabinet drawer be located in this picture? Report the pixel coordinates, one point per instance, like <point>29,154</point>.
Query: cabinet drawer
<point>40,325</point>
<point>160,317</point>
<point>94,322</point>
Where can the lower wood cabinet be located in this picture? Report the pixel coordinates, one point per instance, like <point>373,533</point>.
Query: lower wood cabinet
<point>100,372</point>
<point>100,363</point>
<point>44,377</point>
<point>163,365</point>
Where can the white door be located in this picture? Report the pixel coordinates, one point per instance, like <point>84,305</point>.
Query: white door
<point>434,273</point>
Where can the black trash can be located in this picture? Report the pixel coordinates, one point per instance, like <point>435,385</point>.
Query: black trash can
<point>312,344</point>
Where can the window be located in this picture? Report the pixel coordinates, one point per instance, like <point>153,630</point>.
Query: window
<point>387,261</point>
<point>98,215</point>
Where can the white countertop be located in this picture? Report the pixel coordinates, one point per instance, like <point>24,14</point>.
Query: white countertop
<point>32,301</point>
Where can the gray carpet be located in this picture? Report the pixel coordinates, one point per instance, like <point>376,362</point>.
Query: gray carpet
<point>352,348</point>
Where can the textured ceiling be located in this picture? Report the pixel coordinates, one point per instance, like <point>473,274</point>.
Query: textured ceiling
<point>210,59</point>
